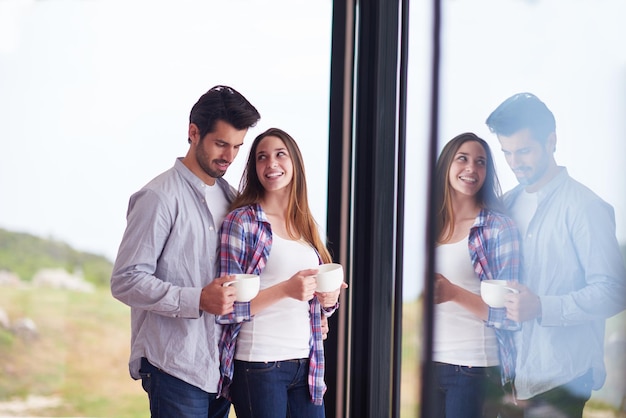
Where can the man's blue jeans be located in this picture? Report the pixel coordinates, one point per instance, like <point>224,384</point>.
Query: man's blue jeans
<point>171,397</point>
<point>460,391</point>
<point>273,389</point>
<point>566,401</point>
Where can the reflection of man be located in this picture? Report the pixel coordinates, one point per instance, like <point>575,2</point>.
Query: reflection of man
<point>166,265</point>
<point>574,273</point>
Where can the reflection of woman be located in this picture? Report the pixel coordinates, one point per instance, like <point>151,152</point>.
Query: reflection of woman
<point>278,356</point>
<point>475,242</point>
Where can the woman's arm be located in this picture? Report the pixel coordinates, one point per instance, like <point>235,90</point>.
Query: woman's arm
<point>300,286</point>
<point>445,291</point>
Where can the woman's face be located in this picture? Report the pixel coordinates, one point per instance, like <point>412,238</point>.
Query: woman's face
<point>468,169</point>
<point>274,167</point>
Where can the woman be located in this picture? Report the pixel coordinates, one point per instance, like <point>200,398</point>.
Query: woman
<point>278,357</point>
<point>475,241</point>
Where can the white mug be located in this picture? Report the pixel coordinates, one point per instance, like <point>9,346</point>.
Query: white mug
<point>329,277</point>
<point>492,292</point>
<point>246,285</point>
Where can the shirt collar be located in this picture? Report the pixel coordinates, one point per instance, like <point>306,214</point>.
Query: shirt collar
<point>198,184</point>
<point>481,219</point>
<point>548,189</point>
<point>259,214</point>
<point>553,184</point>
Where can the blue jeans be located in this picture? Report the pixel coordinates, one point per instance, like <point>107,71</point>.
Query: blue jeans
<point>460,390</point>
<point>567,400</point>
<point>171,397</point>
<point>273,389</point>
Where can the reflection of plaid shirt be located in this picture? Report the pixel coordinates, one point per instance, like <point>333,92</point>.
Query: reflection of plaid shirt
<point>246,240</point>
<point>494,249</point>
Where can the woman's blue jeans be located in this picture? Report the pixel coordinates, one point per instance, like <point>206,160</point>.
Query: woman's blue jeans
<point>460,391</point>
<point>172,397</point>
<point>273,389</point>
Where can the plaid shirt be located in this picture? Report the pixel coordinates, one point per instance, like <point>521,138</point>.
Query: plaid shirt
<point>246,241</point>
<point>495,252</point>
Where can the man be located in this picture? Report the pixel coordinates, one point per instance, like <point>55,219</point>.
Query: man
<point>574,276</point>
<point>166,264</point>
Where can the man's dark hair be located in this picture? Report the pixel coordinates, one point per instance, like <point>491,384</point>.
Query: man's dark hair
<point>521,111</point>
<point>226,104</point>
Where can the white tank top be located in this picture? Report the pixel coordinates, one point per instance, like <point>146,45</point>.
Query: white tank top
<point>460,337</point>
<point>281,331</point>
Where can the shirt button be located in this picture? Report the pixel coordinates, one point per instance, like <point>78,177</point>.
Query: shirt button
<point>210,228</point>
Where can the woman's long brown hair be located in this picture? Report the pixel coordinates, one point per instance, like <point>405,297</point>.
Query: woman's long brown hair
<point>300,221</point>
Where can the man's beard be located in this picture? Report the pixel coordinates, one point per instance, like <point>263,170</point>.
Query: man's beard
<point>216,174</point>
<point>206,165</point>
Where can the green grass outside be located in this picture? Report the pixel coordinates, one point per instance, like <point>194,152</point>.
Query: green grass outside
<point>81,355</point>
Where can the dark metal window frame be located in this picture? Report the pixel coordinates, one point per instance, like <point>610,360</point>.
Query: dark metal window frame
<point>365,204</point>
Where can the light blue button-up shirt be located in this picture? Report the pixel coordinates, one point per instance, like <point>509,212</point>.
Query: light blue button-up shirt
<point>572,261</point>
<point>167,255</point>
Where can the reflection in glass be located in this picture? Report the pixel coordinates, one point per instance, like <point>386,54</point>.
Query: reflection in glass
<point>488,54</point>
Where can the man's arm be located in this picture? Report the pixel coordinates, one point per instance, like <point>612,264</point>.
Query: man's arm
<point>133,280</point>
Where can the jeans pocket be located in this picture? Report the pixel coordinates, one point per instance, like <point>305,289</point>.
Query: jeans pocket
<point>145,374</point>
<point>146,381</point>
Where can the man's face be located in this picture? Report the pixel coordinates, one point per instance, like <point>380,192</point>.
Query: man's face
<point>217,150</point>
<point>528,158</point>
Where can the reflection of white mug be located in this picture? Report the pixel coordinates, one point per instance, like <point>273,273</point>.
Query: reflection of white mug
<point>329,277</point>
<point>246,285</point>
<point>492,292</point>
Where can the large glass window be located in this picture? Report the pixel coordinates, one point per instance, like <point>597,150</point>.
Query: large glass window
<point>569,54</point>
<point>94,102</point>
